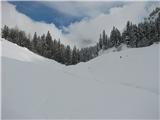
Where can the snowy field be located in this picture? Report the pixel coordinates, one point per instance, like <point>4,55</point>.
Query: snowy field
<point>115,85</point>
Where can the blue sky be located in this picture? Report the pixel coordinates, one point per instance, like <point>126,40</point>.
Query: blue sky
<point>40,12</point>
<point>49,13</point>
<point>74,23</point>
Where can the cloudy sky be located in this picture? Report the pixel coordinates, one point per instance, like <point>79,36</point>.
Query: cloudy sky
<point>75,23</point>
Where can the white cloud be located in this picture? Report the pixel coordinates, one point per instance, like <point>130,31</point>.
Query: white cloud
<point>12,18</point>
<point>85,8</point>
<point>86,32</point>
<point>83,33</point>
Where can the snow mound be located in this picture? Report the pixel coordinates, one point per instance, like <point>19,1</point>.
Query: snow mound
<point>119,85</point>
<point>114,49</point>
<point>14,51</point>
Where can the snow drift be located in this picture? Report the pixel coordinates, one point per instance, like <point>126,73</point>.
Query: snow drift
<point>114,85</point>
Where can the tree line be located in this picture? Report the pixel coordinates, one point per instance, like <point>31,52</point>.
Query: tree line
<point>144,34</point>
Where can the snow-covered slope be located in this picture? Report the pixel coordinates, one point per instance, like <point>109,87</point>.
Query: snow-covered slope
<point>13,51</point>
<point>114,85</point>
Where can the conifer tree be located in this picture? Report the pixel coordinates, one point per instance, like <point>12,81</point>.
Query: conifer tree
<point>74,56</point>
<point>34,42</point>
<point>5,32</point>
<point>115,37</point>
<point>100,42</point>
<point>67,56</point>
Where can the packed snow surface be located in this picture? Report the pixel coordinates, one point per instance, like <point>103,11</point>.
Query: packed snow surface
<point>114,85</point>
